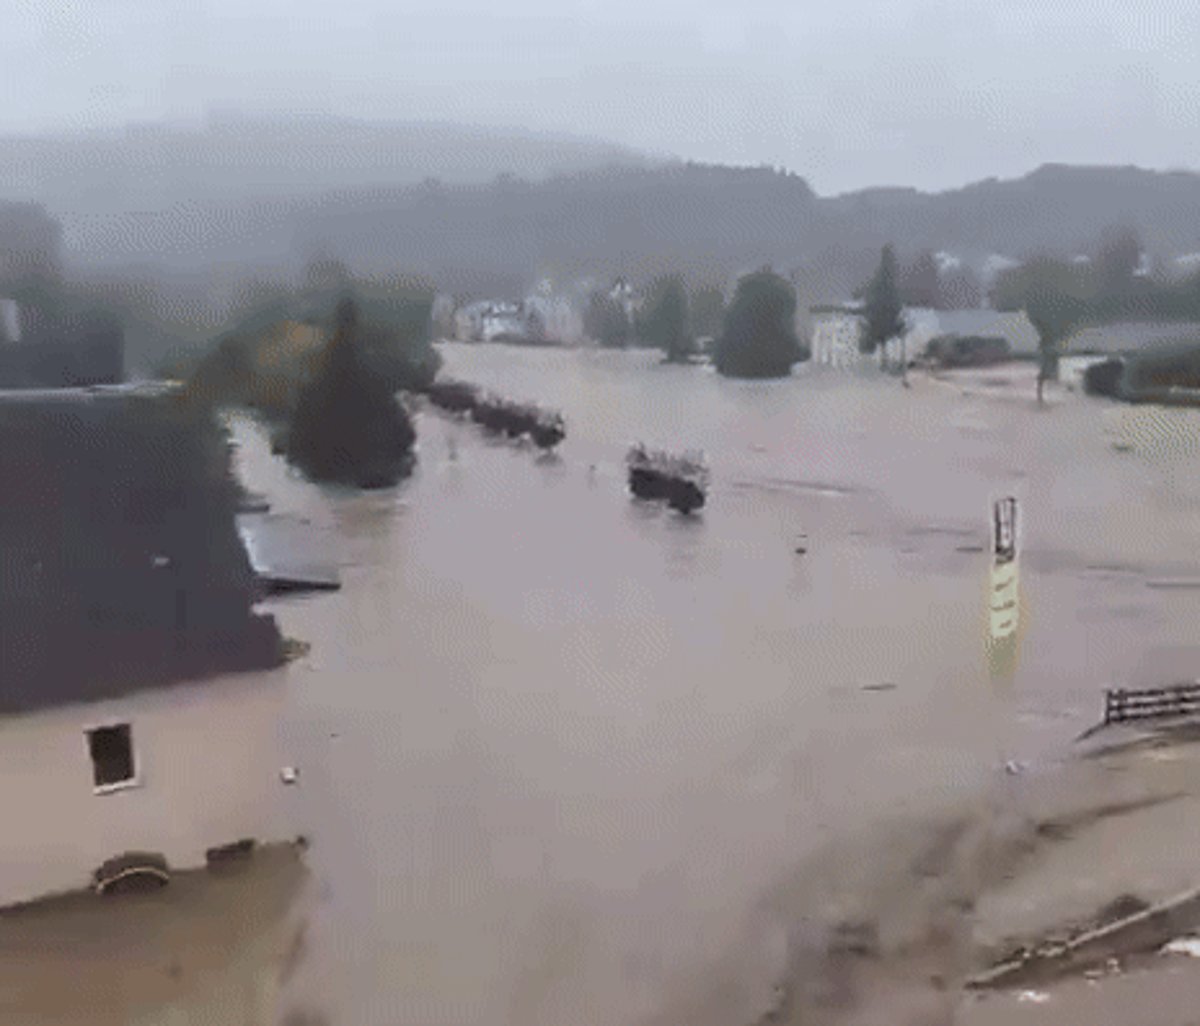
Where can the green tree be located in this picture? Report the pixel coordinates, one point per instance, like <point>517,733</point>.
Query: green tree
<point>758,338</point>
<point>665,321</point>
<point>1056,296</point>
<point>883,312</point>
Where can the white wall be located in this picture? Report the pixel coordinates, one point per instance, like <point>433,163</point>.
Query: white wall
<point>834,339</point>
<point>208,757</point>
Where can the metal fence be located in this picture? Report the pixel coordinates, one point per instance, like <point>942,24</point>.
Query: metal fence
<point>1124,704</point>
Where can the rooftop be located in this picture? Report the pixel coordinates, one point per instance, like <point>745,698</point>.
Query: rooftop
<point>120,562</point>
<point>1130,336</point>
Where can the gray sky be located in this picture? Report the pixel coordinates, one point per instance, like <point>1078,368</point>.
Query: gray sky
<point>846,92</point>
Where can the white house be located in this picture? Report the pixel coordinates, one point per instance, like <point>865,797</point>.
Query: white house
<point>834,334</point>
<point>1130,336</point>
<point>141,696</point>
<point>537,318</point>
<point>836,330</point>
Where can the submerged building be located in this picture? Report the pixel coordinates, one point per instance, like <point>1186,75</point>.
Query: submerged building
<point>140,692</point>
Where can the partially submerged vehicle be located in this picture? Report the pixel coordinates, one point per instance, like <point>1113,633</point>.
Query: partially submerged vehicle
<point>680,480</point>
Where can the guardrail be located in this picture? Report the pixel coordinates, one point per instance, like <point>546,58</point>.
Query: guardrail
<point>1124,704</point>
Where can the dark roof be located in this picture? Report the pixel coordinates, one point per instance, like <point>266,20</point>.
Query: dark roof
<point>1132,336</point>
<point>120,563</point>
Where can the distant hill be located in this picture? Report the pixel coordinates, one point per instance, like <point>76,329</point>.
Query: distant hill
<point>709,221</point>
<point>487,212</point>
<point>231,157</point>
<point>1057,207</point>
<point>154,193</point>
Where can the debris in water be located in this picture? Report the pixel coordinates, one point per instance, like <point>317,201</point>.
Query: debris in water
<point>1182,946</point>
<point>885,685</point>
<point>1036,997</point>
<point>295,649</point>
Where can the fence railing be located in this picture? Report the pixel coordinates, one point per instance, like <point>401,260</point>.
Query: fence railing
<point>1124,704</point>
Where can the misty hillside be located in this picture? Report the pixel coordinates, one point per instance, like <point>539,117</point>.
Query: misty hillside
<point>231,158</point>
<point>710,221</point>
<point>1056,207</point>
<point>487,212</point>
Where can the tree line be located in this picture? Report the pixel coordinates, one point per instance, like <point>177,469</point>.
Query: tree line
<point>1111,285</point>
<point>753,335</point>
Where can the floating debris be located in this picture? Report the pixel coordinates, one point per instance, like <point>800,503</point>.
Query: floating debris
<point>1033,997</point>
<point>1182,946</point>
<point>293,648</point>
<point>681,480</point>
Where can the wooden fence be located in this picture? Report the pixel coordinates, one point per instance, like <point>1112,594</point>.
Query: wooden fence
<point>1123,704</point>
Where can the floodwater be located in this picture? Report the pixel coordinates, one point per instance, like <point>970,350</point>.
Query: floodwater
<point>559,749</point>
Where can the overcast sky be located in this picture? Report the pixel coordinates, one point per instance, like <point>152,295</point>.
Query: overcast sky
<point>846,92</point>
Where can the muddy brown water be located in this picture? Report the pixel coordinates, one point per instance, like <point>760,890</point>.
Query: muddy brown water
<point>560,751</point>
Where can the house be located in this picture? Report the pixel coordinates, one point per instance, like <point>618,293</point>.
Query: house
<point>834,333</point>
<point>534,320</point>
<point>1102,342</point>
<point>1125,337</point>
<point>836,329</point>
<point>140,692</point>
<point>1012,326</point>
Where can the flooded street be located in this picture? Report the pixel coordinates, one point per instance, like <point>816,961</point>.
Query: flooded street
<point>559,750</point>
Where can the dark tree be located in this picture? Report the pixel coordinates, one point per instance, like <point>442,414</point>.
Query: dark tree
<point>706,311</point>
<point>920,283</point>
<point>961,290</point>
<point>883,312</point>
<point>758,339</point>
<point>605,320</point>
<point>665,321</point>
<point>30,246</point>
<point>348,427</point>
<point>325,272</point>
<point>1116,260</point>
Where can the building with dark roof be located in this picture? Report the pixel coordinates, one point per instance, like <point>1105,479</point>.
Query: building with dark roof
<point>140,695</point>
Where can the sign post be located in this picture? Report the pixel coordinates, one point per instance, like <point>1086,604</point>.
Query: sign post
<point>1003,606</point>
